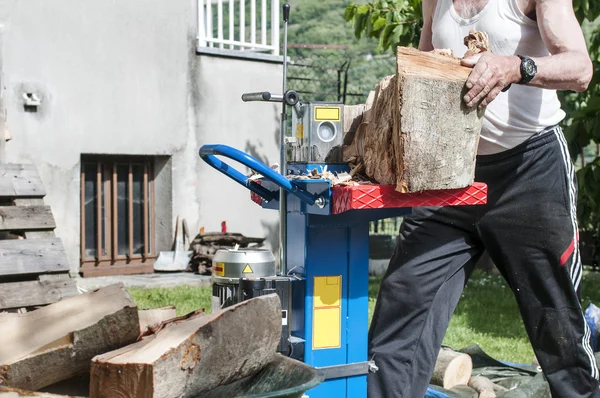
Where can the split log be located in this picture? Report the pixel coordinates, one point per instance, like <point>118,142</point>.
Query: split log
<point>58,341</point>
<point>451,369</point>
<point>438,138</point>
<point>378,138</point>
<point>7,392</point>
<point>353,116</point>
<point>485,387</point>
<point>419,134</point>
<point>191,357</point>
<point>155,316</point>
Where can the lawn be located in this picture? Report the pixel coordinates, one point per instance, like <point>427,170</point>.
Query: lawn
<point>486,315</point>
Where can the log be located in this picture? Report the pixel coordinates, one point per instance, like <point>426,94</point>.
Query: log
<point>7,392</point>
<point>485,387</point>
<point>437,143</point>
<point>451,369</point>
<point>62,338</point>
<point>378,138</point>
<point>419,134</point>
<point>155,316</point>
<point>194,356</point>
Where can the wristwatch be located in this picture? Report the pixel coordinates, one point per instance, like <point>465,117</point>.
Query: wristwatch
<point>528,70</point>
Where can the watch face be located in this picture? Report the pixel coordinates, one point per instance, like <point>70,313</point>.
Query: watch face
<point>529,67</point>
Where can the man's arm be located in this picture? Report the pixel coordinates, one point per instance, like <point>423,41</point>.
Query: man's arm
<point>428,9</point>
<point>567,68</point>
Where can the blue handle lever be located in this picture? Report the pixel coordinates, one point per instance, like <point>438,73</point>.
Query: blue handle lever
<point>208,153</point>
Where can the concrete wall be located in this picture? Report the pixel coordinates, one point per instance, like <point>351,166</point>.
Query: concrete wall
<point>123,77</point>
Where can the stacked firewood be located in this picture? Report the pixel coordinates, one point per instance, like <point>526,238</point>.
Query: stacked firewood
<point>205,245</point>
<point>101,337</point>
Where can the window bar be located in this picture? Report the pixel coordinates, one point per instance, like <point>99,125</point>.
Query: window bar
<point>242,22</point>
<point>253,22</point>
<point>108,211</point>
<point>275,26</point>
<point>130,209</point>
<point>201,24</point>
<point>145,224</point>
<point>220,22</point>
<point>115,219</point>
<point>231,23</point>
<point>209,21</point>
<point>152,215</point>
<point>82,210</point>
<point>98,211</point>
<point>263,23</point>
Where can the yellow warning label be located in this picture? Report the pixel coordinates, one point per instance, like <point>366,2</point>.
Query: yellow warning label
<point>328,291</point>
<point>300,131</point>
<point>247,269</point>
<point>327,113</point>
<point>327,312</point>
<point>220,269</point>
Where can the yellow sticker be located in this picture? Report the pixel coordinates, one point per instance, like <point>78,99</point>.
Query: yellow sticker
<point>247,269</point>
<point>327,312</point>
<point>220,269</point>
<point>300,131</point>
<point>327,113</point>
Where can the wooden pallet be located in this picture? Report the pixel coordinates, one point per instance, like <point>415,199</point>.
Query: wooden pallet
<point>34,270</point>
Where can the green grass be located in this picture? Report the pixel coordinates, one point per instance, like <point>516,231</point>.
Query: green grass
<point>487,313</point>
<point>186,299</point>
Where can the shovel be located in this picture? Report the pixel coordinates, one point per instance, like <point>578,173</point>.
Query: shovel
<point>177,260</point>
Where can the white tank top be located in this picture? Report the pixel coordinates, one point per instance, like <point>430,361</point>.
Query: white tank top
<point>523,110</point>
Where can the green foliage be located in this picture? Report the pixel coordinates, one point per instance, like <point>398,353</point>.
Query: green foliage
<point>396,23</point>
<point>582,129</point>
<point>391,23</point>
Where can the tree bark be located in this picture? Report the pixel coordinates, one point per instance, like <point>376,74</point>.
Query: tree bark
<point>485,387</point>
<point>58,341</point>
<point>416,132</point>
<point>194,355</point>
<point>7,392</point>
<point>438,138</point>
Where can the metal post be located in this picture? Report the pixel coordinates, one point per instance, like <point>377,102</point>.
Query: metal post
<point>283,154</point>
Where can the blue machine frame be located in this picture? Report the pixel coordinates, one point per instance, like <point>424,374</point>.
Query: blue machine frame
<point>329,257</point>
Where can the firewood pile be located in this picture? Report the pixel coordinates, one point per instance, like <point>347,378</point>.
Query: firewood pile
<point>205,245</point>
<point>119,350</point>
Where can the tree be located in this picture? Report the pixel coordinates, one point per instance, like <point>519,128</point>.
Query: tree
<point>397,23</point>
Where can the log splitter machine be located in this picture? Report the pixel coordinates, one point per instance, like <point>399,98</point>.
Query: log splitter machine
<point>323,273</point>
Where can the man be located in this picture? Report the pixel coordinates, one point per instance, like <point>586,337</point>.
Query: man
<point>528,226</point>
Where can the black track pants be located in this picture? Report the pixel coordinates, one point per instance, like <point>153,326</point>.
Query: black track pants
<point>529,229</point>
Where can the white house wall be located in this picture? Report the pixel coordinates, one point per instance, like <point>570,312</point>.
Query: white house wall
<point>123,77</point>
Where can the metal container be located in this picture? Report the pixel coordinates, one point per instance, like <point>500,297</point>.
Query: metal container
<point>229,265</point>
<point>248,262</point>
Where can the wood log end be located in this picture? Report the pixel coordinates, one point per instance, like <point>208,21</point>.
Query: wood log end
<point>451,369</point>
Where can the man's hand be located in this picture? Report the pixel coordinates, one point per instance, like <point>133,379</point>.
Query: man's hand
<point>491,73</point>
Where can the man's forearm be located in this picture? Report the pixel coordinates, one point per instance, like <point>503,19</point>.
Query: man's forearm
<point>565,71</point>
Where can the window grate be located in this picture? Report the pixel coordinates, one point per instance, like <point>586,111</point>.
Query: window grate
<point>117,210</point>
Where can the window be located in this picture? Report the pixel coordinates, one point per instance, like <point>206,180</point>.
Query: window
<point>117,211</point>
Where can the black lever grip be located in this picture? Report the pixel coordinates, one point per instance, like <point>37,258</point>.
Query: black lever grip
<point>262,96</point>
<point>286,12</point>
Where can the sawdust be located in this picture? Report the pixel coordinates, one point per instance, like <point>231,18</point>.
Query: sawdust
<point>336,179</point>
